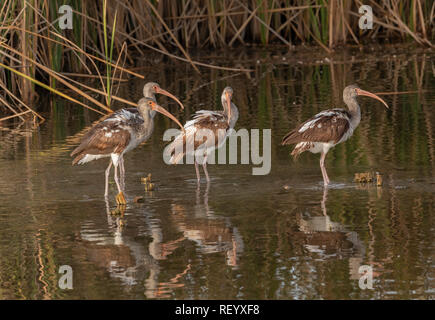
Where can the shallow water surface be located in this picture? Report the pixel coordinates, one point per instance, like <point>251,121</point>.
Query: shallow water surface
<point>279,236</point>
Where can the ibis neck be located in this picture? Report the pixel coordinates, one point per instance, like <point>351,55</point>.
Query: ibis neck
<point>148,93</point>
<point>145,130</point>
<point>355,111</point>
<point>147,114</point>
<point>234,115</point>
<point>234,111</point>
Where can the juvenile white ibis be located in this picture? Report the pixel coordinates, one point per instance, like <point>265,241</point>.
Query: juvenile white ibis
<point>119,133</point>
<point>149,91</point>
<point>328,128</point>
<point>217,123</point>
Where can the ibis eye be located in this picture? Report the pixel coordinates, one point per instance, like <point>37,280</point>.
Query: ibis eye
<point>150,103</point>
<point>155,87</point>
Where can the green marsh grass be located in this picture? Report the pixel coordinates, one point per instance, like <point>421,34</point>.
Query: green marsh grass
<point>107,32</point>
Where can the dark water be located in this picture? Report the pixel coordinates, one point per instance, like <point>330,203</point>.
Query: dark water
<point>279,236</point>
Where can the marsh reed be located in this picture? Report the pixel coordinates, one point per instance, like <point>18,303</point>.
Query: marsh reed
<point>108,36</point>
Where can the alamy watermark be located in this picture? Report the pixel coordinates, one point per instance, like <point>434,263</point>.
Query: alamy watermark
<point>66,280</point>
<point>366,20</point>
<point>200,147</point>
<point>366,279</point>
<point>66,20</point>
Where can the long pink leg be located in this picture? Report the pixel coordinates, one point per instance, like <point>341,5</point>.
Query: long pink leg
<point>122,172</point>
<point>120,189</point>
<point>198,177</point>
<point>204,166</point>
<point>322,167</point>
<point>323,202</point>
<point>106,192</point>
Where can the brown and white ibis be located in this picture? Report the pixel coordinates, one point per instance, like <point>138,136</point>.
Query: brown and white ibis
<point>119,133</point>
<point>149,91</point>
<point>328,128</point>
<point>218,123</point>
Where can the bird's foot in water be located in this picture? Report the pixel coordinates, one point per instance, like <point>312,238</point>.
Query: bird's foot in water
<point>147,179</point>
<point>120,199</point>
<point>149,186</point>
<point>119,211</point>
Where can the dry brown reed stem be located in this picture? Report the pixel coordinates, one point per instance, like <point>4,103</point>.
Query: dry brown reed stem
<point>239,13</point>
<point>30,27</point>
<point>90,76</point>
<point>58,77</point>
<point>134,40</point>
<point>11,94</point>
<point>390,11</point>
<point>92,57</point>
<point>172,36</point>
<point>243,26</point>
<point>102,92</point>
<point>402,25</point>
<point>74,47</point>
<point>15,115</point>
<point>47,87</point>
<point>10,108</point>
<point>331,23</point>
<point>265,25</point>
<point>123,48</point>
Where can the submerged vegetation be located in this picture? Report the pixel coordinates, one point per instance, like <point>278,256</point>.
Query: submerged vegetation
<point>106,35</point>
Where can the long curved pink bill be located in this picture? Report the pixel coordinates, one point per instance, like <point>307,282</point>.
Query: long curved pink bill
<point>168,114</point>
<point>228,99</point>
<point>170,95</point>
<point>372,95</point>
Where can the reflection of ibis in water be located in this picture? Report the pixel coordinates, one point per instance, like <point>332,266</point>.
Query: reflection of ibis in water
<point>210,232</point>
<point>126,258</point>
<point>326,238</point>
<point>328,128</point>
<point>123,257</point>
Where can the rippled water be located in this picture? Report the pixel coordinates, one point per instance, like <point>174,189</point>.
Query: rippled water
<point>279,236</point>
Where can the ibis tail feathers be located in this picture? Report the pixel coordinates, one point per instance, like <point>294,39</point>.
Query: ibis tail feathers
<point>301,147</point>
<point>177,148</point>
<point>291,138</point>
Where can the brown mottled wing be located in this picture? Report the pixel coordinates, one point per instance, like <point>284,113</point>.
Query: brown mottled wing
<point>214,121</point>
<point>104,138</point>
<point>326,126</point>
